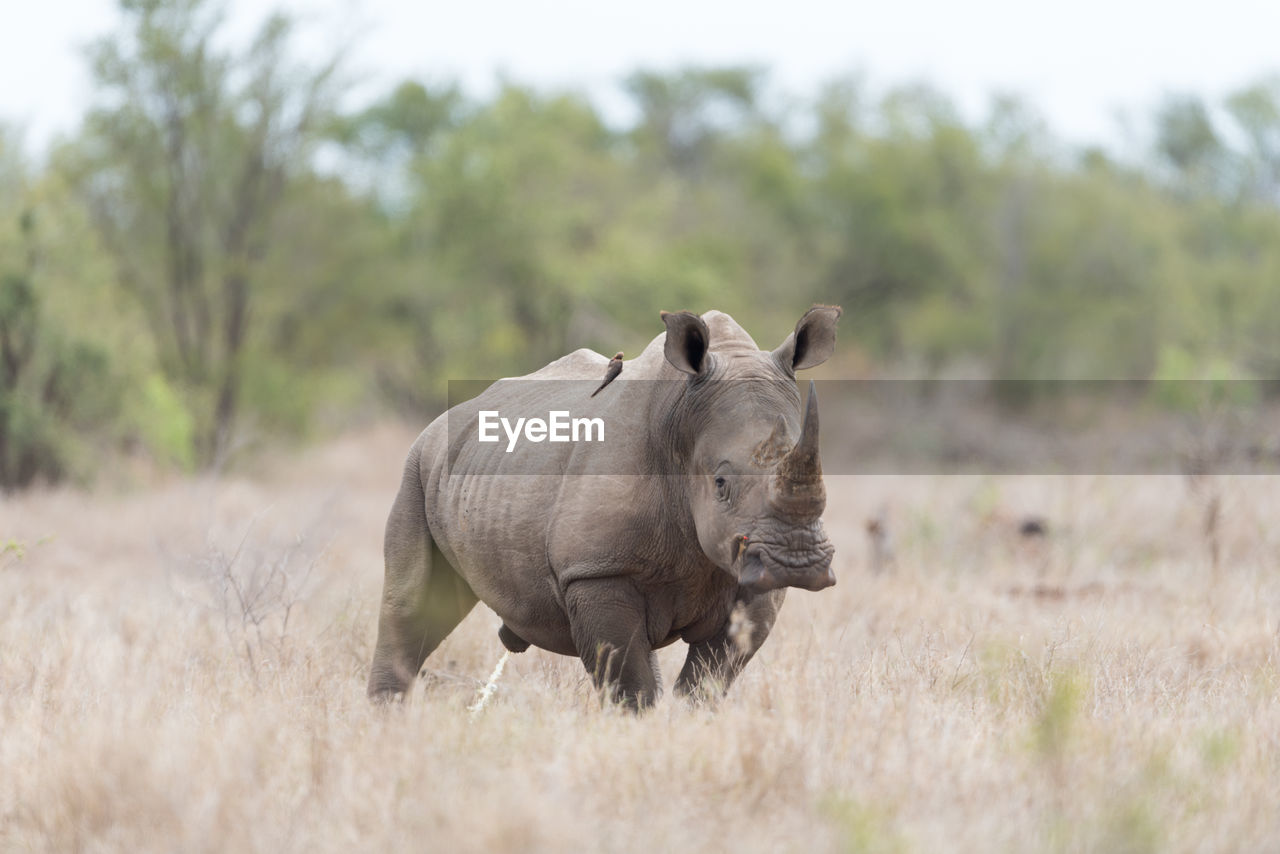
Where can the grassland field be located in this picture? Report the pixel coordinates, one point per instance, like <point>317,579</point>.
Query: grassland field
<point>183,664</point>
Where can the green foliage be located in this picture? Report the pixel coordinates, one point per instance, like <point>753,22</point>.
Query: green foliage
<point>165,425</point>
<point>448,237</point>
<point>1186,134</point>
<point>1220,749</point>
<point>1184,383</point>
<point>55,387</point>
<point>863,829</point>
<point>184,164</point>
<point>13,552</point>
<point>51,389</point>
<point>1132,829</point>
<point>1060,708</point>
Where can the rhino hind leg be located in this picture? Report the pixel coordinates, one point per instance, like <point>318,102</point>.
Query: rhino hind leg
<point>512,641</point>
<point>411,627</point>
<point>713,664</point>
<point>423,598</point>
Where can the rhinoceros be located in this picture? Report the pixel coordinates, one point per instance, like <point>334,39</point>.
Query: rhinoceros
<point>688,522</point>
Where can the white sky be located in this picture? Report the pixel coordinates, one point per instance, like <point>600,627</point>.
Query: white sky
<point>1079,62</point>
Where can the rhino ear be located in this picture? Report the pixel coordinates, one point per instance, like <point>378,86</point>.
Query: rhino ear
<point>812,341</point>
<point>687,341</point>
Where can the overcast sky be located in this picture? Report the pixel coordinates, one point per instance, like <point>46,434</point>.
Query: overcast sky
<point>1081,62</point>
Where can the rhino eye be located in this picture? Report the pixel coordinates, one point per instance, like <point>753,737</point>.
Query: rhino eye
<point>722,488</point>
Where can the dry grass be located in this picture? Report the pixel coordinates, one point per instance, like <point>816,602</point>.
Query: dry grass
<point>1100,690</point>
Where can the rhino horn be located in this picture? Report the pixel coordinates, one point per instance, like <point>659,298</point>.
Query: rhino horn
<point>799,486</point>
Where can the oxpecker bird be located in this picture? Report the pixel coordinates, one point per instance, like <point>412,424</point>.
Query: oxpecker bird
<point>611,372</point>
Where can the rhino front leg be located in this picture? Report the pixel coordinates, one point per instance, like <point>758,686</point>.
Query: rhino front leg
<point>607,619</point>
<point>713,664</point>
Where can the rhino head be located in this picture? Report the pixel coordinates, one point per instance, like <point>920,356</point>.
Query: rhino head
<point>754,484</point>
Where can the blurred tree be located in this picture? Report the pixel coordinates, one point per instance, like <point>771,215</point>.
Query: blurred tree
<point>22,454</point>
<point>509,213</point>
<point>184,163</point>
<point>1188,141</point>
<point>905,204</point>
<point>388,136</point>
<point>532,228</point>
<point>294,266</point>
<point>53,384</point>
<point>683,112</point>
<point>408,120</point>
<point>1015,132</point>
<point>1256,109</point>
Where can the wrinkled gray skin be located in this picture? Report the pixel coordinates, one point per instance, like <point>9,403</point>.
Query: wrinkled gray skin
<point>612,567</point>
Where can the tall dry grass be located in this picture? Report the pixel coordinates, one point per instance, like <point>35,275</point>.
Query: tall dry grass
<point>1099,689</point>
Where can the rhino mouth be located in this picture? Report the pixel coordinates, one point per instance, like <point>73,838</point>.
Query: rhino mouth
<point>764,568</point>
